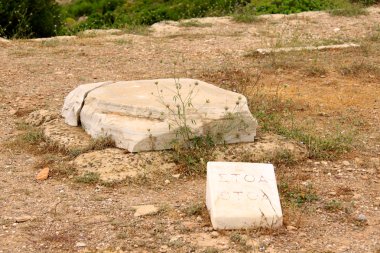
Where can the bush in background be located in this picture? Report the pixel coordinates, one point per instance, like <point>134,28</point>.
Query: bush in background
<point>29,18</point>
<point>120,13</point>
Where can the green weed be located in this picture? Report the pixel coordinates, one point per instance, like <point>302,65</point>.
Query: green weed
<point>33,136</point>
<point>297,194</point>
<point>195,209</point>
<point>237,238</point>
<point>101,142</point>
<point>349,10</point>
<point>88,178</point>
<point>333,205</point>
<point>193,23</point>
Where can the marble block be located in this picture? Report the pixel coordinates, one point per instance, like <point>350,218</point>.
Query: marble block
<point>242,195</point>
<point>144,115</point>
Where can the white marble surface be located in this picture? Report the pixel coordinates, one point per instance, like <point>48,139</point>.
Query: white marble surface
<point>242,195</point>
<point>137,114</point>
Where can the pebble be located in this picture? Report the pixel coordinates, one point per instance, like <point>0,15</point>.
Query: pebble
<point>145,210</point>
<point>291,228</point>
<point>23,218</point>
<point>80,244</point>
<point>199,218</point>
<point>362,218</point>
<point>167,181</point>
<point>346,163</point>
<point>43,174</point>
<point>214,234</point>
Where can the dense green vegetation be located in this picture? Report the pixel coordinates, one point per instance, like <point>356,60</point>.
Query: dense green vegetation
<point>29,18</point>
<point>42,18</point>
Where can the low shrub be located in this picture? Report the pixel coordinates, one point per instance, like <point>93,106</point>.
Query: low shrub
<point>29,18</point>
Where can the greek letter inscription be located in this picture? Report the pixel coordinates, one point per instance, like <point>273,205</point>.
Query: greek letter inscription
<point>236,178</point>
<point>244,179</point>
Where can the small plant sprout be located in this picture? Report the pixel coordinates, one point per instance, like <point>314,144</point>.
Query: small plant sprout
<point>192,149</point>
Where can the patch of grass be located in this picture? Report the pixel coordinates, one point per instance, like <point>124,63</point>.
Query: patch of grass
<point>245,16</point>
<point>88,178</point>
<point>315,71</point>
<point>193,23</point>
<point>195,209</point>
<point>237,238</point>
<point>33,136</point>
<point>193,159</point>
<point>283,157</point>
<point>50,43</point>
<point>136,29</point>
<point>297,194</point>
<point>319,147</point>
<point>349,10</point>
<point>356,68</point>
<point>211,250</point>
<point>275,114</point>
<point>333,206</point>
<point>101,142</point>
<point>122,42</point>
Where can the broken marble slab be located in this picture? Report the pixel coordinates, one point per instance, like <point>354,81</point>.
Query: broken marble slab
<point>242,195</point>
<point>74,102</point>
<point>142,115</point>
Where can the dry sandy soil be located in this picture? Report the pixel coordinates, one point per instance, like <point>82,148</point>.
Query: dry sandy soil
<point>330,204</point>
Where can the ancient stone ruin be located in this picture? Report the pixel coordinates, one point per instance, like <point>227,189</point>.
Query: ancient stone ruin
<point>149,114</point>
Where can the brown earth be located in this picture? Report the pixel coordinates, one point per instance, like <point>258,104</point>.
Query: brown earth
<point>330,205</point>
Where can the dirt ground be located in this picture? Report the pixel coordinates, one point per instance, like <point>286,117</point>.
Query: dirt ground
<point>329,204</point>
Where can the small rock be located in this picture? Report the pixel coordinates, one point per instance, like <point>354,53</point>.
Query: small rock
<point>199,219</point>
<point>23,218</point>
<point>12,112</point>
<point>167,181</point>
<point>80,244</point>
<point>214,234</point>
<point>332,193</point>
<point>164,248</point>
<point>346,163</point>
<point>361,217</point>
<point>176,175</point>
<point>145,210</point>
<point>43,174</point>
<point>291,228</point>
